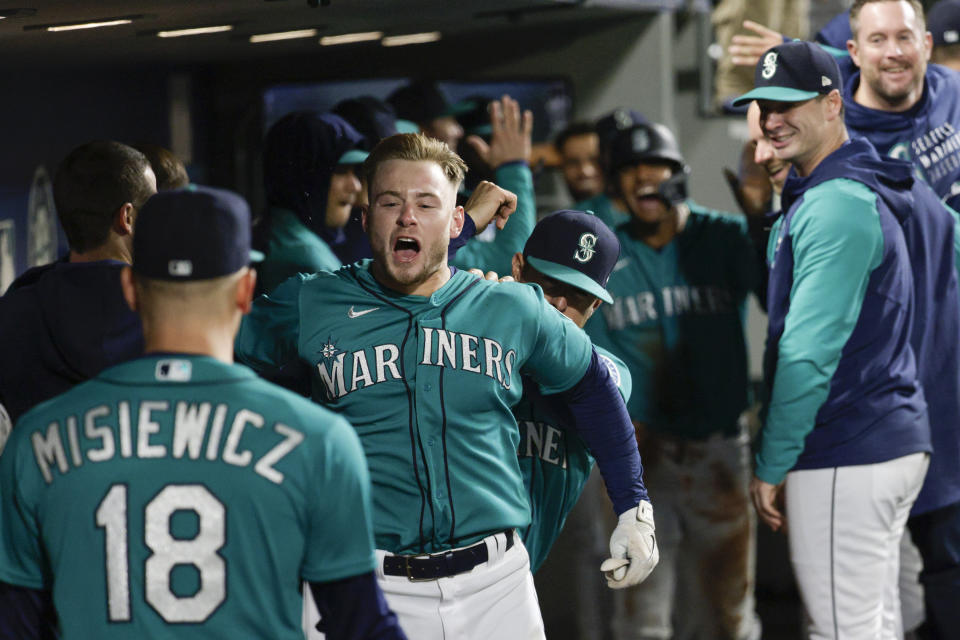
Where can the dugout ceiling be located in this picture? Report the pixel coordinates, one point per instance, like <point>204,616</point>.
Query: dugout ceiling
<point>27,41</point>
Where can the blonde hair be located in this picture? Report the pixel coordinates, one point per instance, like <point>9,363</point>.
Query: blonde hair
<point>415,147</point>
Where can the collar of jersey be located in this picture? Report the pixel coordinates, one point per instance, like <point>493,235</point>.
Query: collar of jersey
<point>457,282</point>
<point>142,370</point>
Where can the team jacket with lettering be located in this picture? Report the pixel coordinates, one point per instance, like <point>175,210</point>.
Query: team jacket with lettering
<point>428,383</point>
<point>677,320</point>
<point>554,459</point>
<point>180,490</point>
<point>843,377</point>
<point>927,134</point>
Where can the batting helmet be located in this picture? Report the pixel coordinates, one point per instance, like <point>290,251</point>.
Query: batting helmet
<point>651,143</point>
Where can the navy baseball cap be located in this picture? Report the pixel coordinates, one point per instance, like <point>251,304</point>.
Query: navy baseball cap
<point>793,72</point>
<point>194,233</point>
<point>574,247</point>
<point>943,21</point>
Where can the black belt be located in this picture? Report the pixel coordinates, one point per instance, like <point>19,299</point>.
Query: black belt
<point>440,565</point>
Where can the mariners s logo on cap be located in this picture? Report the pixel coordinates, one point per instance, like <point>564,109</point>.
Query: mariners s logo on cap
<point>769,65</point>
<point>585,251</point>
<point>793,72</point>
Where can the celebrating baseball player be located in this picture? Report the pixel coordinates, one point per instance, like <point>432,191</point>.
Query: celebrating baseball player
<point>569,255</point>
<point>426,363</point>
<point>846,434</point>
<point>177,493</point>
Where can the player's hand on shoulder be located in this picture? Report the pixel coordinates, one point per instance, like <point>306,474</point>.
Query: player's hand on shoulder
<point>490,202</point>
<point>490,275</point>
<point>633,548</point>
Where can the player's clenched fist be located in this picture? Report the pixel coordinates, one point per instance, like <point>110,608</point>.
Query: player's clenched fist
<point>488,201</point>
<point>633,548</point>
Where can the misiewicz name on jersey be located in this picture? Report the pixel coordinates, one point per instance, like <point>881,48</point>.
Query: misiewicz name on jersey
<point>200,431</point>
<point>344,372</point>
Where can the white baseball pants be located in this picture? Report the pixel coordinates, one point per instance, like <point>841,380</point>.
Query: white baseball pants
<point>844,527</point>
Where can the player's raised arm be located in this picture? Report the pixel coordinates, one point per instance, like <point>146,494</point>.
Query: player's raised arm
<point>508,153</point>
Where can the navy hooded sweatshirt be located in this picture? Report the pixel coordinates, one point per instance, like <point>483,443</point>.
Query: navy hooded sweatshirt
<point>61,324</point>
<point>930,234</point>
<point>843,376</point>
<point>927,134</point>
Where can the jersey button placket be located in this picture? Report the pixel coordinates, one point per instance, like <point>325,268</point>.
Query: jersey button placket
<point>427,405</point>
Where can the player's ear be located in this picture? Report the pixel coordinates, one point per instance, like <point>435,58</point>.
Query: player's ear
<point>245,289</point>
<point>834,103</point>
<point>854,51</point>
<point>123,219</point>
<point>596,304</point>
<point>129,289</point>
<point>928,44</point>
<point>517,266</point>
<point>456,224</point>
<point>364,212</point>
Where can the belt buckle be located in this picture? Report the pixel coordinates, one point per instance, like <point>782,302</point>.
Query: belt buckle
<point>406,565</point>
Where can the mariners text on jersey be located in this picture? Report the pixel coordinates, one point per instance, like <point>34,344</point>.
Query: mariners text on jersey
<point>201,431</point>
<point>676,301</point>
<point>544,441</point>
<point>441,348</point>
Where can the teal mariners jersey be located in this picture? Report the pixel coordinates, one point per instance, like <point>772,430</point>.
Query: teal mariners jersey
<point>180,496</point>
<point>677,320</point>
<point>554,460</point>
<point>428,383</point>
<point>293,248</point>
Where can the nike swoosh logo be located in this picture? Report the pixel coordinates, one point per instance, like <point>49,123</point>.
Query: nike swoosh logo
<point>620,264</point>
<point>356,314</point>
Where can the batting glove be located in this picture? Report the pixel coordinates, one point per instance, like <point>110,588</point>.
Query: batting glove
<point>633,548</point>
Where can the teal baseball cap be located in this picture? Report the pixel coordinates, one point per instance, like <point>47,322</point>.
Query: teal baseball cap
<point>793,72</point>
<point>574,247</point>
<point>353,156</point>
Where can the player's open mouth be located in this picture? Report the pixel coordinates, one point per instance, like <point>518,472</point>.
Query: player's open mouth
<point>406,249</point>
<point>646,197</point>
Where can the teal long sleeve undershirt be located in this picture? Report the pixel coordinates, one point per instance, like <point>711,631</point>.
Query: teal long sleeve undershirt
<point>498,254</point>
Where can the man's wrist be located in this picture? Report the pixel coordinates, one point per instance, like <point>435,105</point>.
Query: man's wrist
<point>509,163</point>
